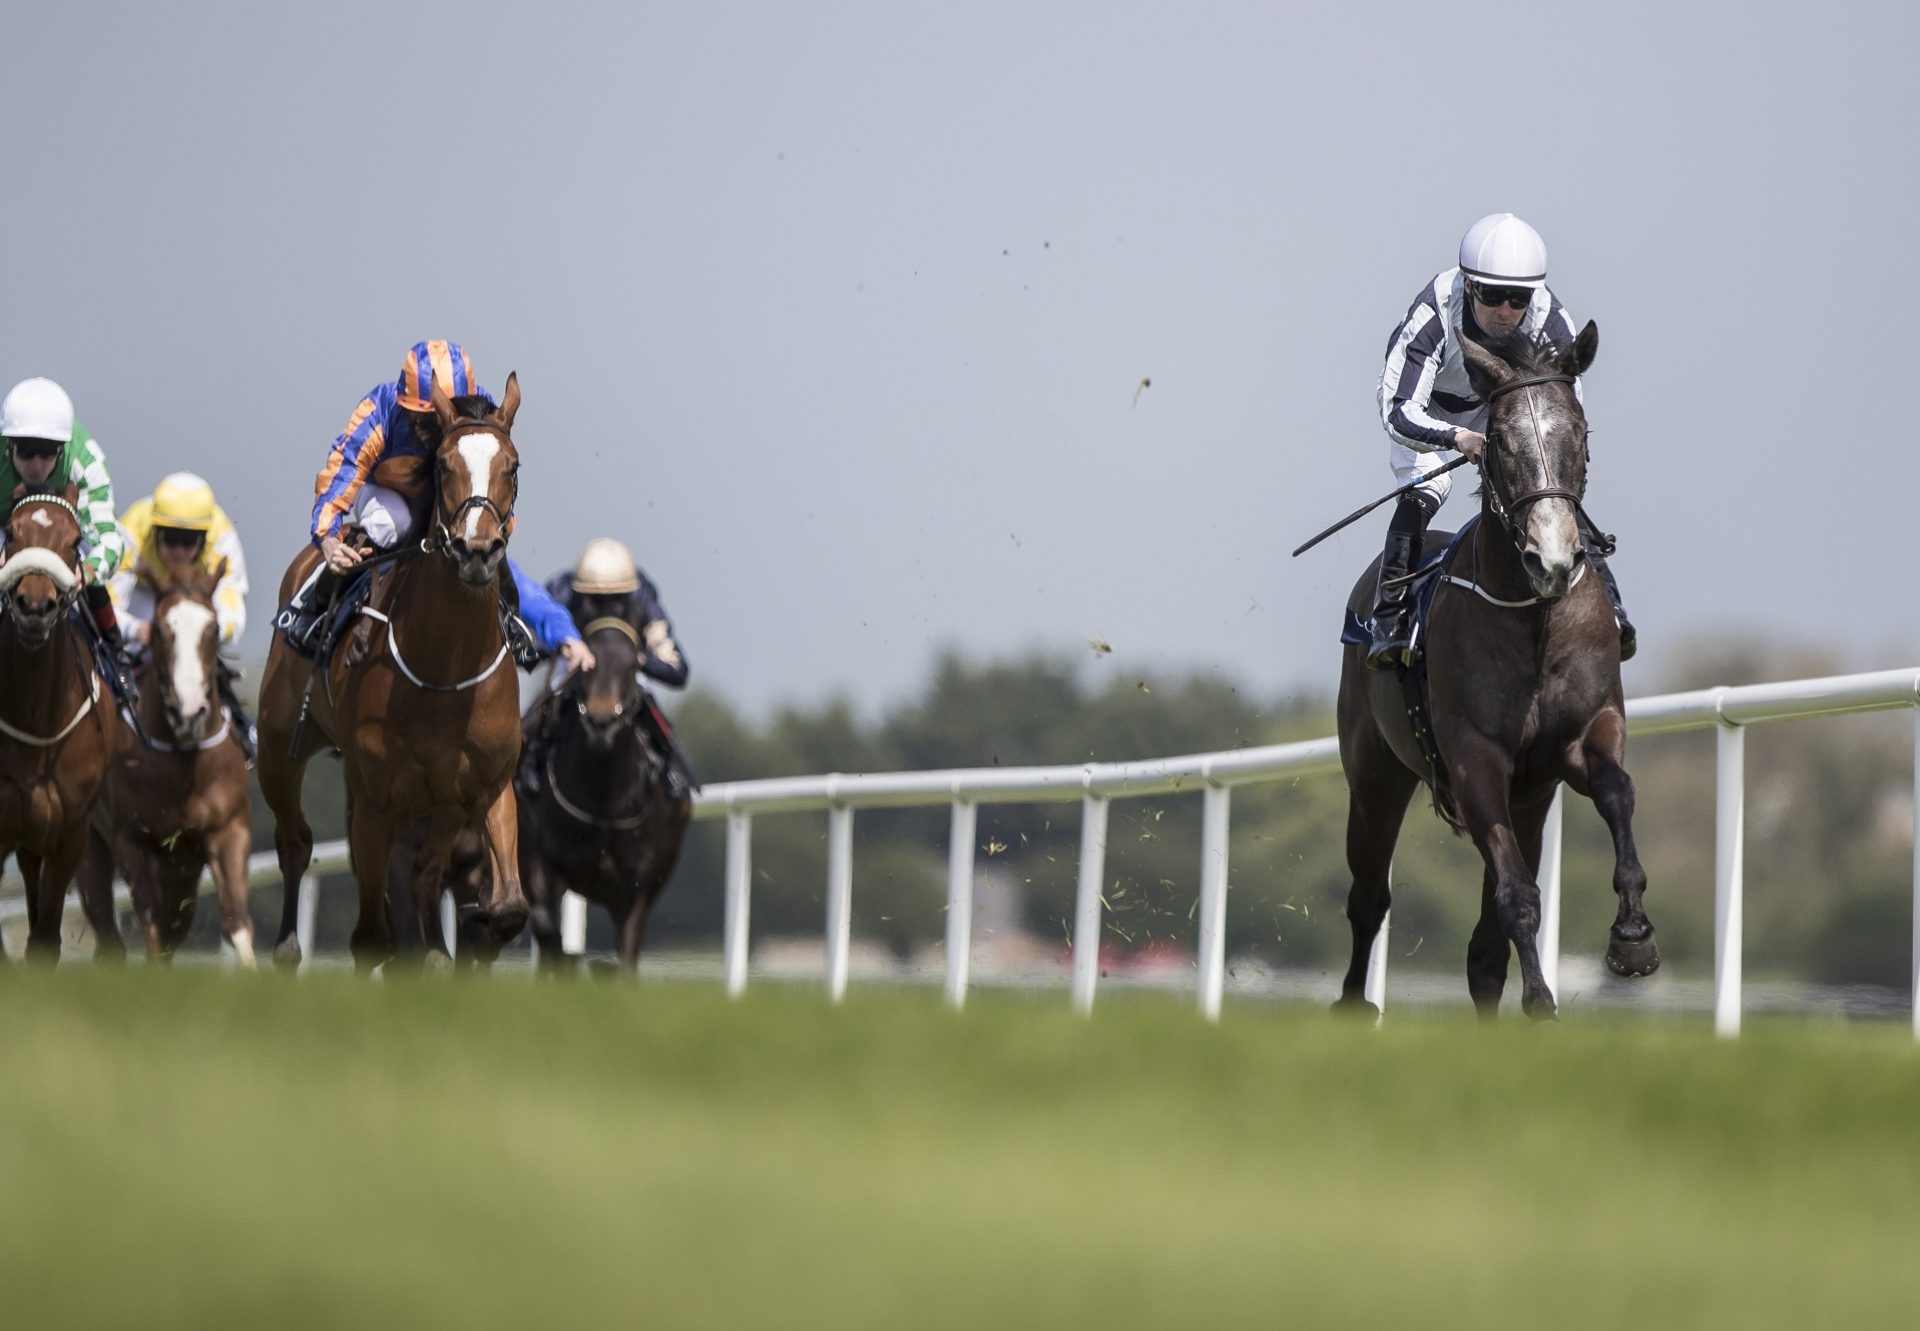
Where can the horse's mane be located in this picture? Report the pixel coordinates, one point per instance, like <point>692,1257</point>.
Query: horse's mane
<point>1530,353</point>
<point>473,408</point>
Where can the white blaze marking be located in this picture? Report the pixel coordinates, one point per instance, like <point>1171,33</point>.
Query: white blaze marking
<point>40,518</point>
<point>189,620</point>
<point>478,452</point>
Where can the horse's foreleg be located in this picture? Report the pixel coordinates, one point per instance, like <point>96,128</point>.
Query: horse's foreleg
<point>543,900</point>
<point>57,869</point>
<point>1482,776</point>
<point>430,881</point>
<point>1631,949</point>
<point>95,882</point>
<point>227,857</point>
<point>1379,789</point>
<point>280,778</point>
<point>371,834</point>
<point>1487,953</point>
<point>506,909</point>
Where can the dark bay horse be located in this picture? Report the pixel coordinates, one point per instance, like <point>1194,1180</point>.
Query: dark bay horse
<point>604,821</point>
<point>58,730</point>
<point>178,804</point>
<point>427,715</point>
<point>1523,664</point>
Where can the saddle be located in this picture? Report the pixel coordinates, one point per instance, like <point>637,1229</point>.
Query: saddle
<point>1357,632</point>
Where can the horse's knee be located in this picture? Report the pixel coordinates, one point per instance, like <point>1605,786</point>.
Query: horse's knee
<point>1518,902</point>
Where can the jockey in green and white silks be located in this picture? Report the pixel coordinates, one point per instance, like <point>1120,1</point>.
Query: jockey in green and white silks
<point>46,446</point>
<point>1428,406</point>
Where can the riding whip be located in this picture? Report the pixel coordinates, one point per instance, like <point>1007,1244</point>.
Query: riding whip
<point>1365,509</point>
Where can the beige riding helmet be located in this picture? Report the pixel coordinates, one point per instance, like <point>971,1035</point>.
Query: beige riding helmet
<point>605,568</point>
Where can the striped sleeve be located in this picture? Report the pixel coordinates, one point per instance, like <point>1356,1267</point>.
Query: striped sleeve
<point>230,597</point>
<point>351,461</point>
<point>105,544</point>
<point>1406,381</point>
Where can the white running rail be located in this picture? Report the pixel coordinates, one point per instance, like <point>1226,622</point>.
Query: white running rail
<point>1727,711</point>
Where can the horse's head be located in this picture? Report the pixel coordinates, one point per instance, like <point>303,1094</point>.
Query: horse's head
<point>609,698</point>
<point>40,576</point>
<point>477,477</point>
<point>184,646</point>
<point>1535,465</point>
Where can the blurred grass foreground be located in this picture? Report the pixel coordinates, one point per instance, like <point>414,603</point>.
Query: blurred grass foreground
<point>201,1149</point>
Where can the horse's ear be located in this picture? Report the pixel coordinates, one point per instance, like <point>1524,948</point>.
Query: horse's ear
<point>1577,358</point>
<point>443,407</point>
<point>509,402</point>
<point>72,493</point>
<point>210,580</point>
<point>1485,371</point>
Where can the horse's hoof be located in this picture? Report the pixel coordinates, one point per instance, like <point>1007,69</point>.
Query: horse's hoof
<point>286,954</point>
<point>506,923</point>
<point>1355,1007</point>
<point>1543,1012</point>
<point>437,963</point>
<point>1632,959</point>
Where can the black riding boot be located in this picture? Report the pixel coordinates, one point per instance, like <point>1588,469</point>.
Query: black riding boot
<point>1392,643</point>
<point>243,728</point>
<point>304,619</point>
<point>1598,546</point>
<point>527,652</point>
<point>113,647</point>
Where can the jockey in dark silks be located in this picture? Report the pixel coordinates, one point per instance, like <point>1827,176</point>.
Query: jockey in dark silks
<point>606,583</point>
<point>46,447</point>
<point>379,477</point>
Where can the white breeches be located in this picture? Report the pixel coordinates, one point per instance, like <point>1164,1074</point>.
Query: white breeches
<point>384,514</point>
<point>1408,464</point>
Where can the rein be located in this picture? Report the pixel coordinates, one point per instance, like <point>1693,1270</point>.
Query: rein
<point>1510,511</point>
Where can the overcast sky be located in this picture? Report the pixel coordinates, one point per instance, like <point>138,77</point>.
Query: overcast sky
<point>838,314</point>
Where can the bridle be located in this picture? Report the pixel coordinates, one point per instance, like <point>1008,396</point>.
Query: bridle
<point>627,720</point>
<point>441,541</point>
<point>68,598</point>
<point>1509,510</point>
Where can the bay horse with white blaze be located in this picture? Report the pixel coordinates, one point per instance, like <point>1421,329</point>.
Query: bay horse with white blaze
<point>1523,668</point>
<point>429,727</point>
<point>58,730</point>
<point>176,804</point>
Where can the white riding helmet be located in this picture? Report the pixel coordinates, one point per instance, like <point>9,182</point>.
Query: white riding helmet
<point>1501,250</point>
<point>605,568</point>
<point>37,409</point>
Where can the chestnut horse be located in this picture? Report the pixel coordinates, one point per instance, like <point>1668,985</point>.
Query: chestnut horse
<point>58,730</point>
<point>177,804</point>
<point>604,822</point>
<point>427,715</point>
<point>1523,670</point>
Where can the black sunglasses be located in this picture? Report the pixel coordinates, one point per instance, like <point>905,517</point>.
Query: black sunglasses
<point>35,449</point>
<point>179,536</point>
<point>1516,298</point>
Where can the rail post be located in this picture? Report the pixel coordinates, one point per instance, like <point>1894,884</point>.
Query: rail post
<point>839,898</point>
<point>1916,873</point>
<point>739,898</point>
<point>1086,909</point>
<point>1213,899</point>
<point>1729,874</point>
<point>1549,938</point>
<point>573,923</point>
<point>960,840</point>
<point>306,906</point>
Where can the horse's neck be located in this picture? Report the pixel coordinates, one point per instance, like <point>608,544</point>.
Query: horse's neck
<point>617,781</point>
<point>39,682</point>
<point>444,621</point>
<point>1496,563</point>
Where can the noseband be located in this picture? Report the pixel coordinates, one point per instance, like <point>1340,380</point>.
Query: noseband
<point>71,595</point>
<point>1508,511</point>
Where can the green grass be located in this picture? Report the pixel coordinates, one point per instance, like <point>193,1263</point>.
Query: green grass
<point>201,1149</point>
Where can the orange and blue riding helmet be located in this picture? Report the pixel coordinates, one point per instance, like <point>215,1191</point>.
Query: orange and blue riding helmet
<point>426,361</point>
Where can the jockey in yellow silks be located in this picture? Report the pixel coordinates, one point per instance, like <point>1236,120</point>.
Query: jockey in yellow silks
<point>179,528</point>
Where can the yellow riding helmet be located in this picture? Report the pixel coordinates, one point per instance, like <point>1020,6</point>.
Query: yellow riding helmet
<point>185,501</point>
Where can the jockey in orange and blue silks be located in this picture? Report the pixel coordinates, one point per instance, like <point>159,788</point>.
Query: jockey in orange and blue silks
<point>379,474</point>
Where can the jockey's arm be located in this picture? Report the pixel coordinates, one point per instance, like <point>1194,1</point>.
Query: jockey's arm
<point>549,620</point>
<point>351,460</point>
<point>230,596</point>
<point>104,547</point>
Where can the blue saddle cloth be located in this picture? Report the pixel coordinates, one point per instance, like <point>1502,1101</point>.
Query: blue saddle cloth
<point>1358,632</point>
<point>354,591</point>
